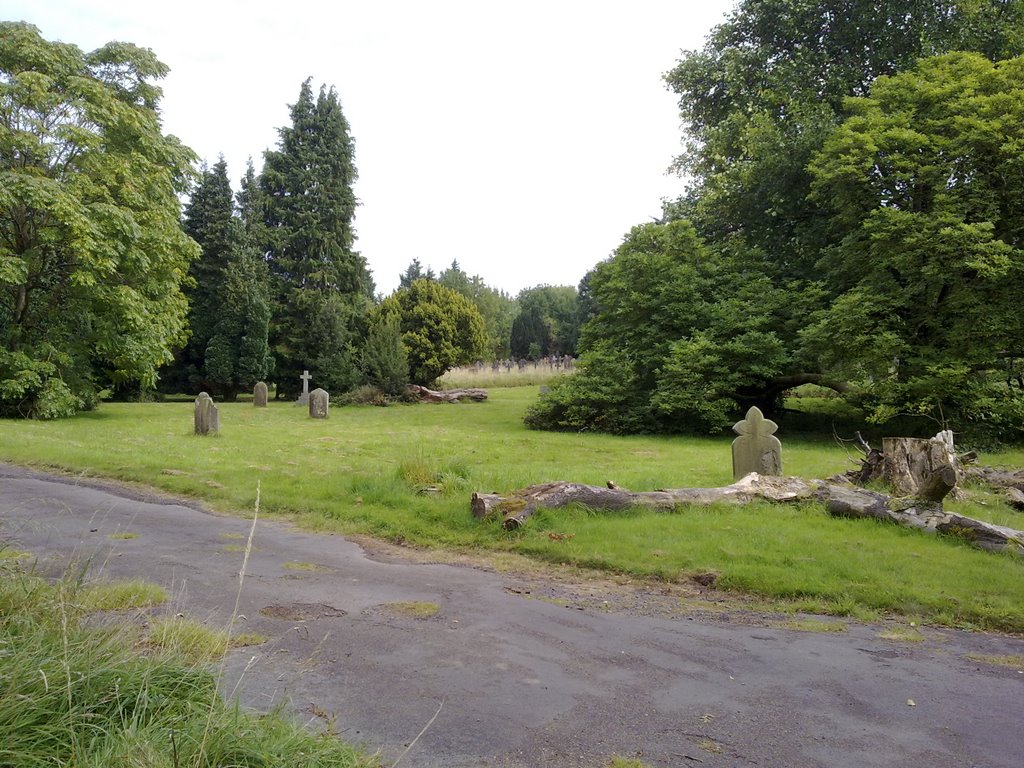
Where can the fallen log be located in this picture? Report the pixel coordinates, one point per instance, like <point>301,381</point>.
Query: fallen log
<point>445,395</point>
<point>517,506</point>
<point>997,478</point>
<point>839,499</point>
<point>920,514</point>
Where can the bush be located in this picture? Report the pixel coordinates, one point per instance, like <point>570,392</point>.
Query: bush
<point>384,360</point>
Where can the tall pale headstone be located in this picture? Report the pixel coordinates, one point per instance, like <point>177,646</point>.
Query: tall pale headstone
<point>757,449</point>
<point>259,394</point>
<point>207,420</point>
<point>304,397</point>
<point>319,402</point>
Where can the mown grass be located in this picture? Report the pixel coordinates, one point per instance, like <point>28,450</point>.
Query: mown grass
<point>405,473</point>
<point>97,697</point>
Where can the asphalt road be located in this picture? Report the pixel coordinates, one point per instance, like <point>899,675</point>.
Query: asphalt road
<point>527,672</point>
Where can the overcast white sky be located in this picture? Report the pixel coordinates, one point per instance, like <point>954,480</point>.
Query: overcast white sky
<point>521,138</point>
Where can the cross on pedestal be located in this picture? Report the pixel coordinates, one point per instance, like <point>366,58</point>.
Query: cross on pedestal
<point>304,397</point>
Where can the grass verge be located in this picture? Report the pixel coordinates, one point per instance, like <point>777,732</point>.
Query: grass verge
<point>87,696</point>
<point>404,474</point>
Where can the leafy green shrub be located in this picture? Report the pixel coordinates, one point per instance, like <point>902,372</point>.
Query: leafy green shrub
<point>384,360</point>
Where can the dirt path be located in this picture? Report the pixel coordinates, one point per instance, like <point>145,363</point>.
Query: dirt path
<point>528,674</point>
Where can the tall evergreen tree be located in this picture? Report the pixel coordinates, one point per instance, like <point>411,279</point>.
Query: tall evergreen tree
<point>229,303</point>
<point>319,281</point>
<point>413,273</point>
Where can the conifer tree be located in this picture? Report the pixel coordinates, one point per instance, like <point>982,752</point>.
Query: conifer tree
<point>229,302</point>
<point>321,285</point>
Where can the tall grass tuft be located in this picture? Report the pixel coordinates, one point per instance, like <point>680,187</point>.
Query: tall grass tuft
<point>90,696</point>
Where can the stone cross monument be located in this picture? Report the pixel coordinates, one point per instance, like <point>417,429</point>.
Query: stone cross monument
<point>304,397</point>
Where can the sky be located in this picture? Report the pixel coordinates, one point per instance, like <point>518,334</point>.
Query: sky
<point>522,139</point>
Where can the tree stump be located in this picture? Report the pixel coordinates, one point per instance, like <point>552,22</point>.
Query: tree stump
<point>923,469</point>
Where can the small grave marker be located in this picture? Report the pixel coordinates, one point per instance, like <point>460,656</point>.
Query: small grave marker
<point>756,449</point>
<point>319,403</point>
<point>259,395</point>
<point>206,418</point>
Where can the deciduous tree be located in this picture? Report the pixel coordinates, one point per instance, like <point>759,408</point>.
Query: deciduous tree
<point>926,184</point>
<point>92,254</point>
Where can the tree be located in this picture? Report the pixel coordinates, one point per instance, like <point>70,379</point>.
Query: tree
<point>780,259</point>
<point>319,279</point>
<point>548,318</point>
<point>92,255</point>
<point>440,328</point>
<point>769,86</point>
<point>384,360</point>
<point>926,186</point>
<point>496,307</point>
<point>413,273</point>
<point>229,302</point>
<point>677,341</point>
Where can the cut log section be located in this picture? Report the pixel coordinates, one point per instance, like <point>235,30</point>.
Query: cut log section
<point>445,395</point>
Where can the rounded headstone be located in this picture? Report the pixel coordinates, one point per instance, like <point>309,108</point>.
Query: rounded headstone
<point>206,419</point>
<point>319,403</point>
<point>259,394</point>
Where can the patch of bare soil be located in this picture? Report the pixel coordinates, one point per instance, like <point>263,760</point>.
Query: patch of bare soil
<point>301,611</point>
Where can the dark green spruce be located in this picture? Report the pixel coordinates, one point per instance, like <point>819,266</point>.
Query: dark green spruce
<point>321,285</point>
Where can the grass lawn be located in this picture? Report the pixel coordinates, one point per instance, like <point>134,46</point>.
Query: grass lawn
<point>364,470</point>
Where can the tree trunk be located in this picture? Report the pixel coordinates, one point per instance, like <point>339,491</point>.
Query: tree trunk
<point>445,395</point>
<point>519,505</point>
<point>840,500</point>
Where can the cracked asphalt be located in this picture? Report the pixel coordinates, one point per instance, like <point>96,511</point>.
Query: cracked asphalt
<point>527,671</point>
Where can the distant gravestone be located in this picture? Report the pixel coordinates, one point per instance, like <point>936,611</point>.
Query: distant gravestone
<point>319,402</point>
<point>756,449</point>
<point>207,420</point>
<point>259,394</point>
<point>304,397</point>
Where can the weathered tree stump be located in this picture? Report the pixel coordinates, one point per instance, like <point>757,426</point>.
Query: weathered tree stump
<point>923,469</point>
<point>445,395</point>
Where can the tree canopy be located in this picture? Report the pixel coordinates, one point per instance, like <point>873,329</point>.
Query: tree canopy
<point>926,185</point>
<point>547,323</point>
<point>322,286</point>
<point>440,328</point>
<point>856,214</point>
<point>92,255</point>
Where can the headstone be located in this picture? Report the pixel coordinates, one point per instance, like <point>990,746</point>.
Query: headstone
<point>304,397</point>
<point>207,420</point>
<point>319,402</point>
<point>756,449</point>
<point>259,394</point>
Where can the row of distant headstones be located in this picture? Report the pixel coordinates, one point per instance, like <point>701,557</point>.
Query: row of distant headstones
<point>755,450</point>
<point>207,417</point>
